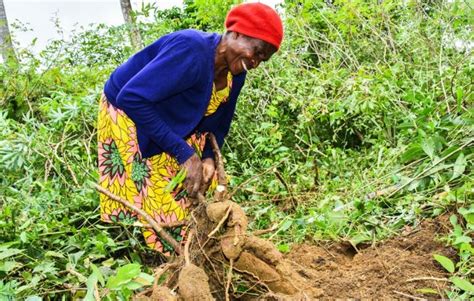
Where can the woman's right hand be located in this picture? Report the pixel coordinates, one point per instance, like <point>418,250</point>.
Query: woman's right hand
<point>193,167</point>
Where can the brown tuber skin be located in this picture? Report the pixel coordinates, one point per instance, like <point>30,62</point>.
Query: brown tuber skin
<point>193,284</point>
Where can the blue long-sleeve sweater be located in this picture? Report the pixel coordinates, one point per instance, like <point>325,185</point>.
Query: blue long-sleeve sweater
<point>165,89</point>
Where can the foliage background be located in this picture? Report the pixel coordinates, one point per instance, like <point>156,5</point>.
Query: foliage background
<point>360,125</point>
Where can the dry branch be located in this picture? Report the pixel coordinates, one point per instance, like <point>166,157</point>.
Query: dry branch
<point>158,229</point>
<point>221,176</point>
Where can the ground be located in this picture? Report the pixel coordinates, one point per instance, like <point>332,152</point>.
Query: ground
<point>399,267</point>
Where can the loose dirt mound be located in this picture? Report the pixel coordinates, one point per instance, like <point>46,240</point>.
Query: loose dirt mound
<point>396,268</point>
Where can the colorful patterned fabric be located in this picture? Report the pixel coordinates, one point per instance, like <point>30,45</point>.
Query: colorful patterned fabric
<point>146,183</point>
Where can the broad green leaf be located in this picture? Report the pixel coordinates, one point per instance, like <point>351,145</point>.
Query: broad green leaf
<point>34,298</point>
<point>7,266</point>
<point>445,262</point>
<point>91,284</point>
<point>45,267</point>
<point>462,239</point>
<point>144,279</point>
<point>459,166</point>
<point>98,273</point>
<point>412,153</point>
<point>286,225</point>
<point>463,284</point>
<point>360,237</point>
<point>133,285</point>
<point>9,253</point>
<point>124,274</point>
<point>428,146</point>
<point>54,254</point>
<point>453,219</point>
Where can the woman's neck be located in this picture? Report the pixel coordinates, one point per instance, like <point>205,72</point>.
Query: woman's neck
<point>220,65</point>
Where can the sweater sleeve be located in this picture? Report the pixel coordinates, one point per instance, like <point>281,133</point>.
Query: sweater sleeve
<point>174,69</point>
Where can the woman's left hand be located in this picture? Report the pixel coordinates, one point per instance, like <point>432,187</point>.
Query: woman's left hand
<point>208,170</point>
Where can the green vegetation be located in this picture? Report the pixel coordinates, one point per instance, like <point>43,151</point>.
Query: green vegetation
<point>362,124</point>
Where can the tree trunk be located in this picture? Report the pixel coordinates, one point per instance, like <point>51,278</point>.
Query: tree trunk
<point>135,37</point>
<point>6,46</point>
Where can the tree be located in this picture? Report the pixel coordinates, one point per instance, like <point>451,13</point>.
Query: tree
<point>6,46</point>
<point>135,37</point>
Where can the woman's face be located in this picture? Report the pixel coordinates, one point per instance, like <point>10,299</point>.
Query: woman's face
<point>245,53</point>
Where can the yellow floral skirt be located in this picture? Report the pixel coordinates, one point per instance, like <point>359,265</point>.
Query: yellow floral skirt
<point>149,184</point>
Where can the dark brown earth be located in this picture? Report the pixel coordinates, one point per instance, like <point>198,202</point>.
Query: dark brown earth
<point>393,269</point>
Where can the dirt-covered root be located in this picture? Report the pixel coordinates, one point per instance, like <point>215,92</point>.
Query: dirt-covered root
<point>193,284</point>
<point>276,278</point>
<point>236,215</point>
<point>263,249</point>
<point>162,293</point>
<point>232,244</point>
<point>159,293</point>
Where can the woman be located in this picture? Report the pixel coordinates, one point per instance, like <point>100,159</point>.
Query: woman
<point>158,106</point>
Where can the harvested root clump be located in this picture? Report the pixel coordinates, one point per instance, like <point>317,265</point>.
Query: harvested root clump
<point>221,257</point>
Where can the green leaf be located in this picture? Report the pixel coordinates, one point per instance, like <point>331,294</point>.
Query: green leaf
<point>7,266</point>
<point>9,253</point>
<point>133,285</point>
<point>445,262</point>
<point>463,284</point>
<point>54,254</point>
<point>453,219</point>
<point>428,146</point>
<point>286,225</point>
<point>462,239</point>
<point>91,283</point>
<point>144,279</point>
<point>284,248</point>
<point>360,237</point>
<point>98,273</point>
<point>459,166</point>
<point>45,267</point>
<point>412,153</point>
<point>124,274</point>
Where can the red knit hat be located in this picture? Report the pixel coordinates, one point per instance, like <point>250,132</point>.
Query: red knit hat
<point>256,20</point>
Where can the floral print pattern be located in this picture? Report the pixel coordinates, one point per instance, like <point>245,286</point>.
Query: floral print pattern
<point>142,182</point>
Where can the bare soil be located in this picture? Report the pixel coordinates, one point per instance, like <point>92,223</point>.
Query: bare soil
<point>393,269</point>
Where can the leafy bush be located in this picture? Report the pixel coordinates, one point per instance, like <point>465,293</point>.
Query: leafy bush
<point>362,123</point>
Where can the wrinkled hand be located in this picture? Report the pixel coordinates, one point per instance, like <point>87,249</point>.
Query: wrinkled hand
<point>208,170</point>
<point>193,167</point>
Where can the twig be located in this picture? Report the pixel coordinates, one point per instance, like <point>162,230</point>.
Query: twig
<point>221,176</point>
<point>229,279</point>
<point>221,222</point>
<point>408,296</point>
<point>426,278</point>
<point>280,178</point>
<point>158,229</point>
<point>265,231</point>
<point>186,247</point>
<point>163,225</point>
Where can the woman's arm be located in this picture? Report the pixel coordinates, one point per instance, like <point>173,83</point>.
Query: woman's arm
<point>175,69</point>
